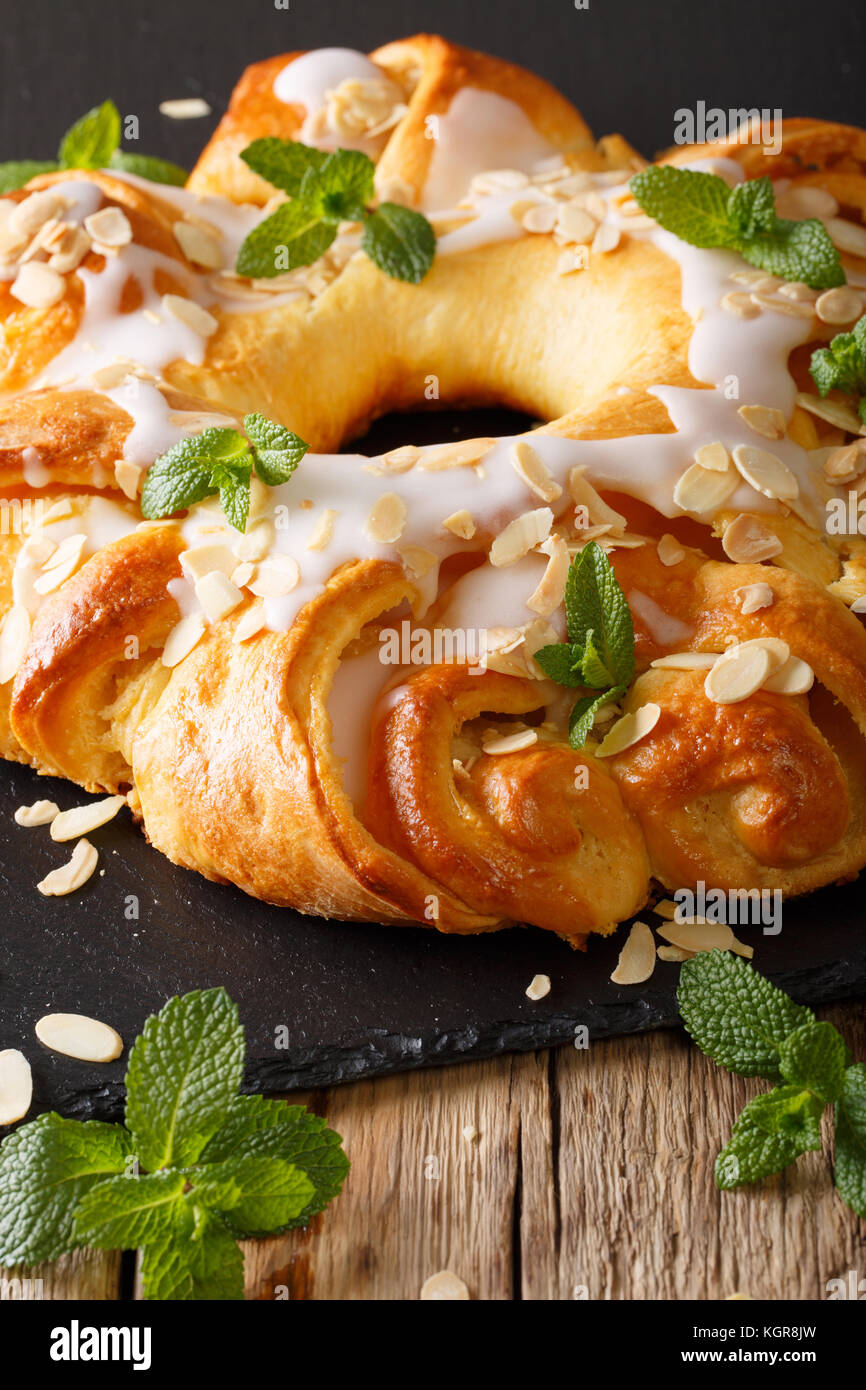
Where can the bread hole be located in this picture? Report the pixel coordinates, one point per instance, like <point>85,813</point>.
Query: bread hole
<point>438,426</point>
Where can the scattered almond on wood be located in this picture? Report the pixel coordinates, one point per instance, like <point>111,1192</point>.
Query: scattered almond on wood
<point>637,959</point>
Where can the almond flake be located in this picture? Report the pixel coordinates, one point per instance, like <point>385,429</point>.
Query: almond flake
<point>181,640</point>
<point>510,743</point>
<point>32,212</point>
<point>217,595</point>
<point>256,542</point>
<point>740,304</point>
<point>637,959</point>
<point>520,536</point>
<point>715,457</point>
<point>583,494</point>
<point>538,217</point>
<point>37,286</point>
<point>794,309</point>
<point>250,623</point>
<point>387,519</point>
<point>686,661</point>
<point>795,677</point>
<point>110,227</point>
<point>764,420</point>
<point>704,490</point>
<point>739,948</point>
<point>834,412</point>
<point>464,454</point>
<point>470,1133</point>
<point>753,597</point>
<point>529,467</point>
<point>14,637</point>
<point>128,477</point>
<point>40,813</point>
<point>667,908</point>
<point>606,239</point>
<point>842,305</point>
<point>417,560</point>
<point>200,560</point>
<point>460,524</point>
<point>766,472</point>
<point>698,936</point>
<point>73,875</point>
<point>276,577</point>
<point>738,674</point>
<point>550,592</point>
<point>323,532</point>
<point>845,464</point>
<point>66,559</point>
<point>184,108</point>
<point>444,1286</point>
<point>242,574</point>
<point>75,1035</point>
<point>400,460</point>
<point>747,541</point>
<point>192,314</point>
<point>847,236</point>
<point>669,551</point>
<point>674,954</point>
<point>16,1086</point>
<point>538,987</point>
<point>806,201</point>
<point>81,820</point>
<point>628,730</point>
<point>199,246</point>
<point>575,224</point>
<point>69,249</point>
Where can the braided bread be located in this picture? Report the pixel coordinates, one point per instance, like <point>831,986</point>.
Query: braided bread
<point>285,707</point>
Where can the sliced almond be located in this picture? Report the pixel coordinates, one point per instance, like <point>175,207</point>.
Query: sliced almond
<point>792,308</point>
<point>14,638</point>
<point>184,108</point>
<point>81,820</point>
<point>192,314</point>
<point>738,674</point>
<point>510,743</point>
<point>740,948</point>
<point>60,566</point>
<point>16,1086</point>
<point>834,412</point>
<point>674,954</point>
<point>73,875</point>
<point>842,305</point>
<point>764,420</point>
<point>110,227</point>
<point>575,224</point>
<point>698,936</point>
<point>37,286</point>
<point>704,490</point>
<point>464,454</point>
<point>538,987</point>
<point>686,661</point>
<point>637,959</point>
<point>181,640</point>
<point>276,577</point>
<point>845,464</point>
<point>520,536</point>
<point>715,457</point>
<point>549,594</point>
<point>606,239</point>
<point>256,542</point>
<point>200,560</point>
<point>199,246</point>
<point>387,519</point>
<point>460,524</point>
<point>667,908</point>
<point>33,212</point>
<point>583,494</point>
<point>740,304</point>
<point>754,597</point>
<point>76,1035</point>
<point>242,574</point>
<point>766,472</point>
<point>400,460</point>
<point>795,677</point>
<point>69,250</point>
<point>847,236</point>
<point>747,541</point>
<point>417,560</point>
<point>628,730</point>
<point>538,217</point>
<point>323,532</point>
<point>806,201</point>
<point>218,595</point>
<point>444,1286</point>
<point>128,477</point>
<point>40,813</point>
<point>669,551</point>
<point>528,466</point>
<point>250,623</point>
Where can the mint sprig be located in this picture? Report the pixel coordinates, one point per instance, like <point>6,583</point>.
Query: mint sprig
<point>221,461</point>
<point>599,652</point>
<point>746,1024</point>
<point>195,1168</point>
<point>702,210</point>
<point>325,190</point>
<point>92,143</point>
<point>842,366</point>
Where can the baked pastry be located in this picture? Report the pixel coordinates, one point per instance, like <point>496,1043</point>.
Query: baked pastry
<point>285,707</point>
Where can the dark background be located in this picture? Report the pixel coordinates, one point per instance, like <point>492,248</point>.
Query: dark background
<point>627,64</point>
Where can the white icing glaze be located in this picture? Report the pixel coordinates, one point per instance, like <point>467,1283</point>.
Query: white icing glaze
<point>480,130</point>
<point>99,519</point>
<point>36,475</point>
<point>305,81</point>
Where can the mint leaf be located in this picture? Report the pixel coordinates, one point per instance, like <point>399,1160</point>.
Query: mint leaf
<point>580,725</point>
<point>562,662</point>
<point>842,365</point>
<point>815,1056</point>
<point>791,1111</point>
<point>752,1153</point>
<point>400,242</point>
<point>46,1167</point>
<point>293,236</point>
<point>256,1195</point>
<point>234,491</point>
<point>184,1070</point>
<point>282,163</point>
<point>203,1263</point>
<point>692,205</point>
<point>277,451</point>
<point>146,166</point>
<point>16,172</point>
<point>255,1126</point>
<point>595,672</point>
<point>850,1153</point>
<point>92,140</point>
<point>177,479</point>
<point>796,251</point>
<point>735,1016</point>
<point>126,1212</point>
<point>752,207</point>
<point>594,603</point>
<point>341,187</point>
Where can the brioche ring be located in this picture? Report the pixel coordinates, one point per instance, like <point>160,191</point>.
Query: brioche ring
<point>285,707</point>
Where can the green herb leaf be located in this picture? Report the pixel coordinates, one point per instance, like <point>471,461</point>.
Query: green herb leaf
<point>184,1070</point>
<point>256,1194</point>
<point>735,1016</point>
<point>700,209</point>
<point>282,163</point>
<point>16,172</point>
<point>341,187</point>
<point>234,491</point>
<point>177,479</point>
<point>400,242</point>
<point>293,236</point>
<point>597,674</point>
<point>92,140</point>
<point>850,1114</point>
<point>562,662</point>
<point>791,1111</point>
<point>203,1263</point>
<point>754,1151</point>
<point>147,166</point>
<point>46,1167</point>
<point>842,365</point>
<point>255,1126</point>
<point>126,1212</point>
<point>594,603</point>
<point>815,1056</point>
<point>277,451</point>
<point>582,719</point>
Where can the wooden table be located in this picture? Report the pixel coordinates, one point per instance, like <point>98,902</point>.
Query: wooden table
<point>590,1177</point>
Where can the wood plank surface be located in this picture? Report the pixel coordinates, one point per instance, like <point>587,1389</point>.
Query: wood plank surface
<point>590,1177</point>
